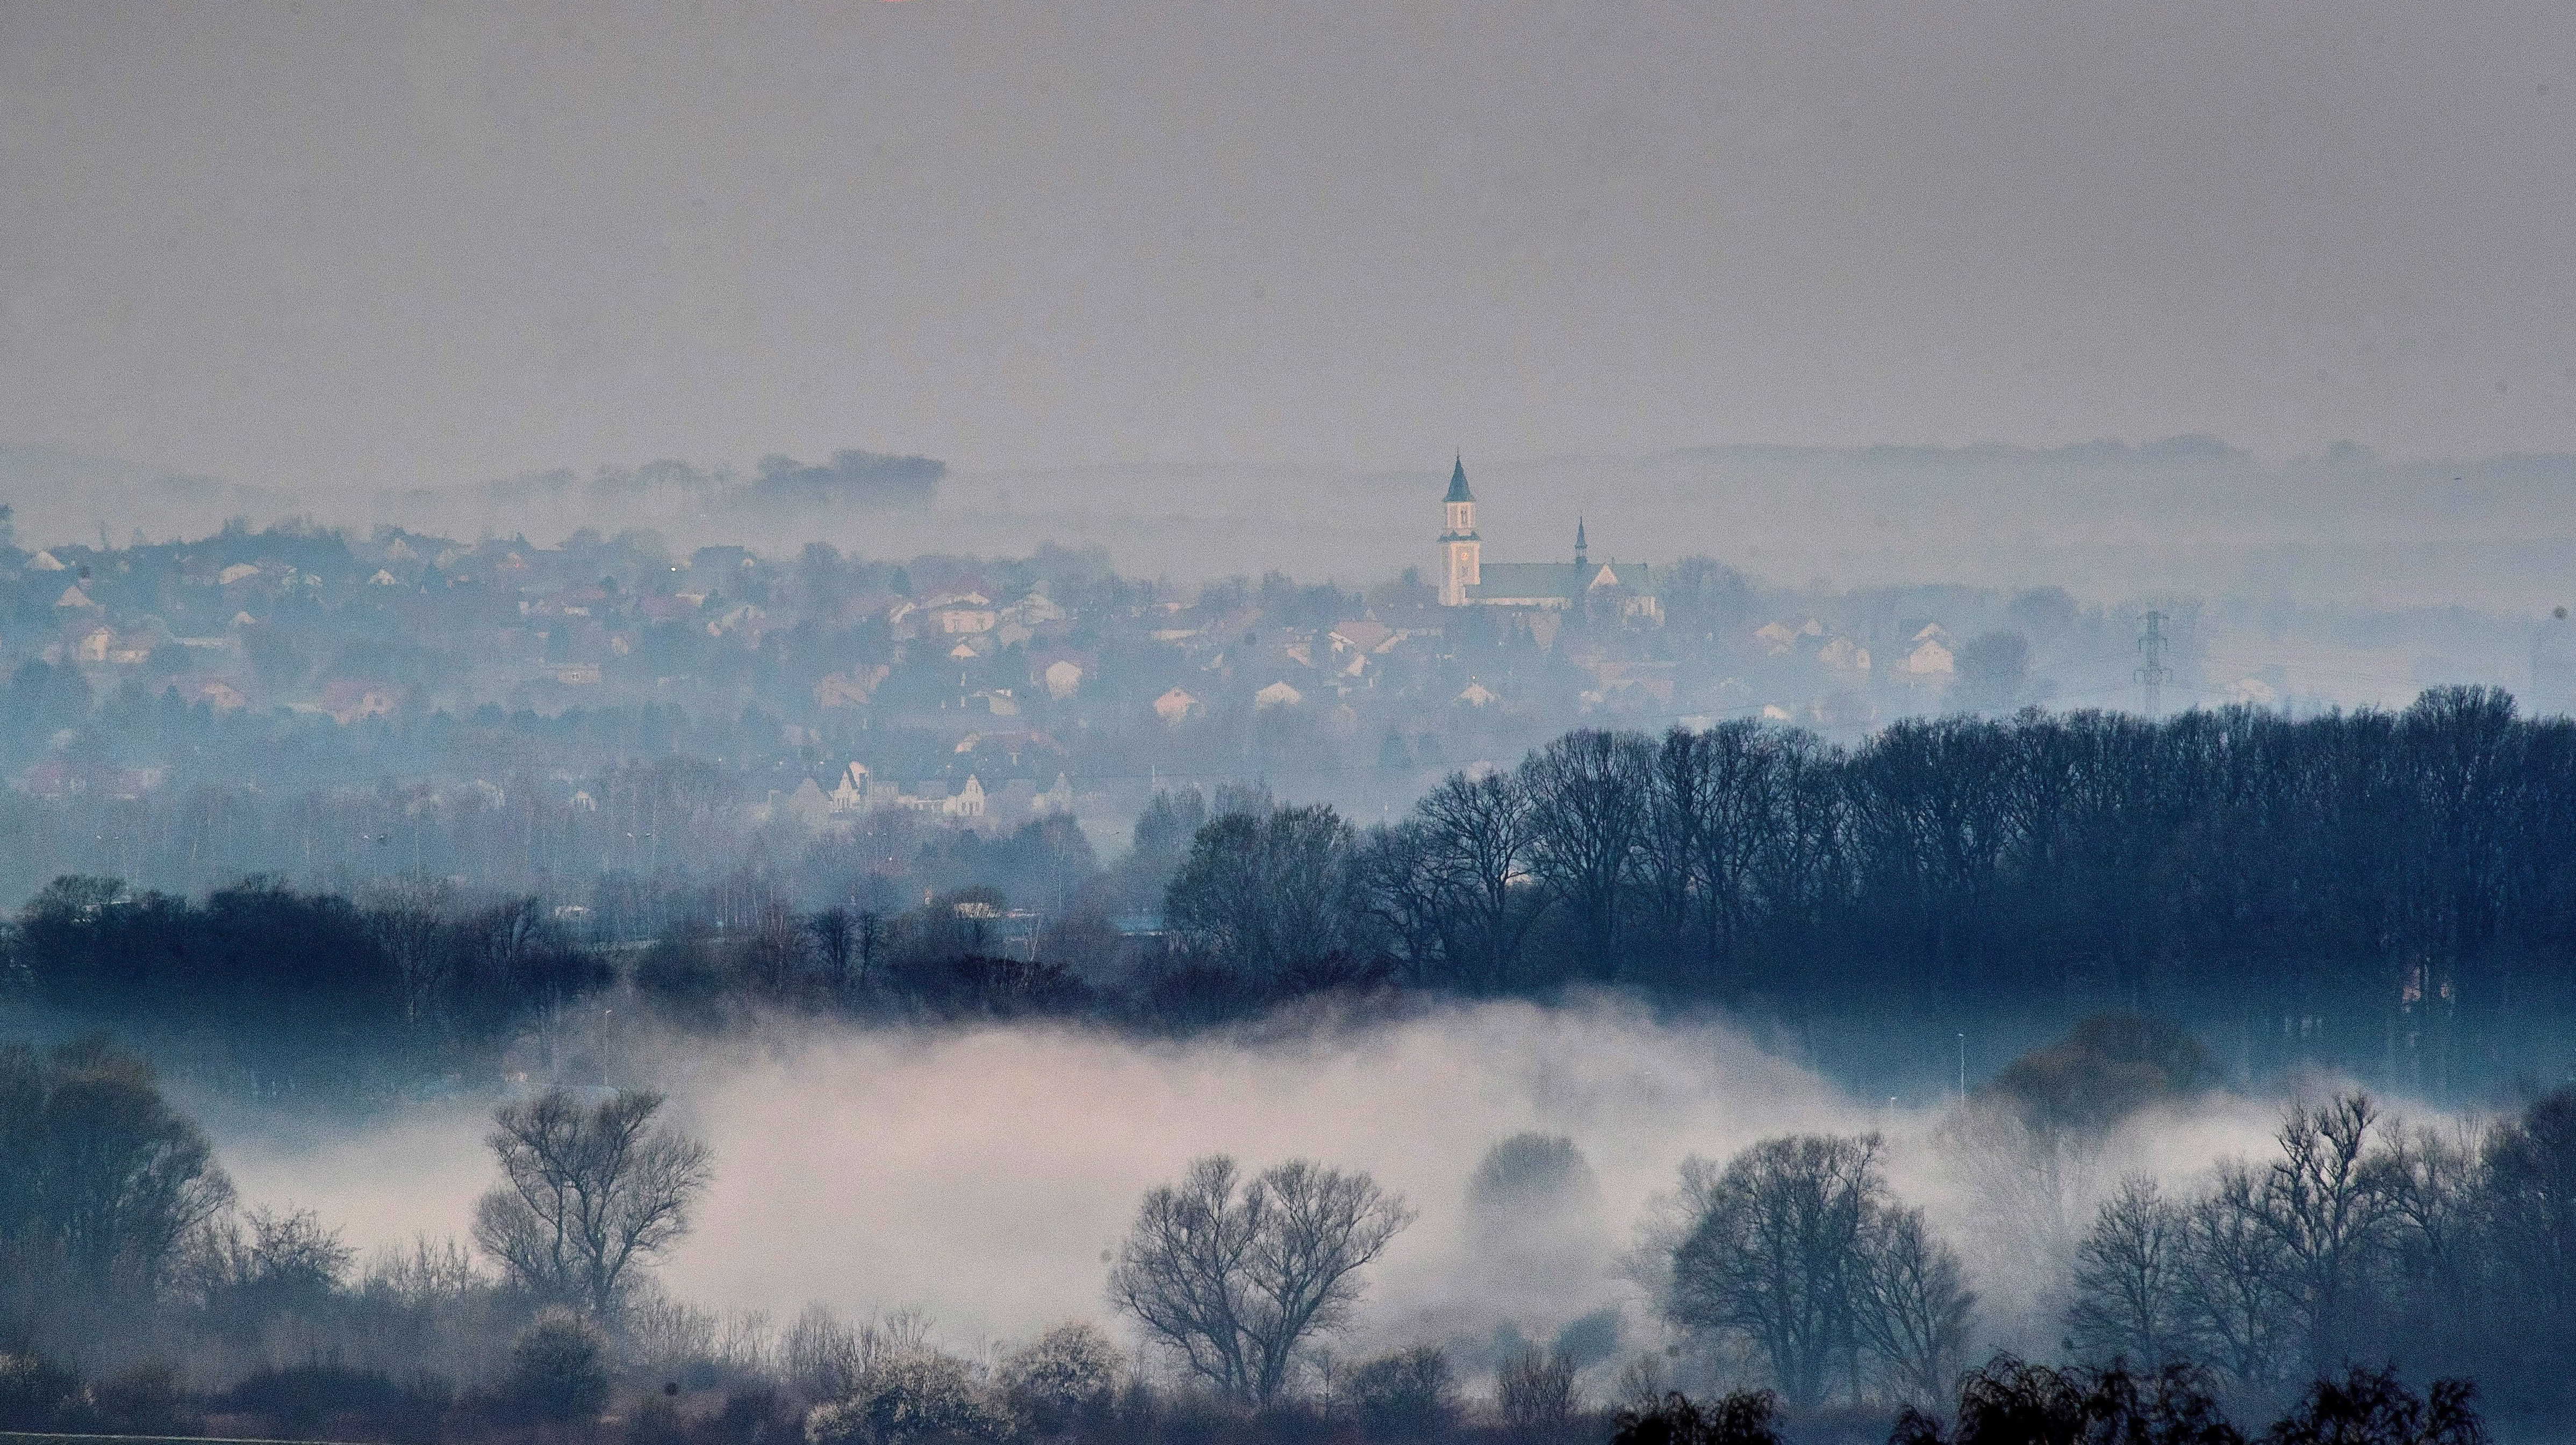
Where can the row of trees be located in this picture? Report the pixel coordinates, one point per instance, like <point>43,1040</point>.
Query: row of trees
<point>1791,1265</point>
<point>2395,880</point>
<point>2359,1237</point>
<point>2356,1239</point>
<point>2389,890</point>
<point>416,960</point>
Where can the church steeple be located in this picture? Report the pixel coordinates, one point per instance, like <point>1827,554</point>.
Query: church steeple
<point>1460,548</point>
<point>1579,558</point>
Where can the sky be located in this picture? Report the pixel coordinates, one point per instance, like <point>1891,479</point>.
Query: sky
<point>374,246</point>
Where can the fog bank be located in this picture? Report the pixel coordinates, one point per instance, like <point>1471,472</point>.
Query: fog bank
<point>981,1174</point>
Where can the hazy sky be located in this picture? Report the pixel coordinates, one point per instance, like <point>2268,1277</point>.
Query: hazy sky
<point>377,244</point>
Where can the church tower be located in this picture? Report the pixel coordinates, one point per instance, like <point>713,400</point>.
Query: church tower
<point>1460,548</point>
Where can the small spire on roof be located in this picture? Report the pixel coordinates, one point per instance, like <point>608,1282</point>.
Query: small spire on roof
<point>1578,541</point>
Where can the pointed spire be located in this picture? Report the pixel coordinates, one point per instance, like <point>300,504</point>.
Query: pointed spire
<point>1458,482</point>
<point>1578,542</point>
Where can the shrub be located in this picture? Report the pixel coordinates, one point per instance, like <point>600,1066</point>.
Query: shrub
<point>310,1399</point>
<point>657,1422</point>
<point>917,1395</point>
<point>1743,1418</point>
<point>558,1367</point>
<point>2008,1401</point>
<point>1064,1372</point>
<point>2370,1407</point>
<point>1406,1395</point>
<point>143,1400</point>
<point>32,1391</point>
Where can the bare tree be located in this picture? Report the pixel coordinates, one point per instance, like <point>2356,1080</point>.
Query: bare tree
<point>1588,794</point>
<point>836,941</point>
<point>2435,1203</point>
<point>2328,1201</point>
<point>2530,1169</point>
<point>586,1194</point>
<point>1913,1312</point>
<point>1271,895</point>
<point>1477,834</point>
<point>820,1355</point>
<point>409,920</point>
<point>97,1171</point>
<point>2235,1279</point>
<point>1536,1396</point>
<point>1779,1257</point>
<point>2128,1280</point>
<point>1232,1276</point>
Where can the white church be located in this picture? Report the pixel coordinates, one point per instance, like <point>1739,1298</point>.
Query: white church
<point>1467,580</point>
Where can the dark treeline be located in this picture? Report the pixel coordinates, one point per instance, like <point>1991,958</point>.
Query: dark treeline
<point>2393,894</point>
<point>275,988</point>
<point>2396,892</point>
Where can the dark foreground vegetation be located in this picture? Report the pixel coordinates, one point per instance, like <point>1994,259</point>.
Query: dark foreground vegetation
<point>2010,1402</point>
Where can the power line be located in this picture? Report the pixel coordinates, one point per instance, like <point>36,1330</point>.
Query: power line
<point>2152,676</point>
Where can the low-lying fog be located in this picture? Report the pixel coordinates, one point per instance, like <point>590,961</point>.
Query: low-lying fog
<point>982,1174</point>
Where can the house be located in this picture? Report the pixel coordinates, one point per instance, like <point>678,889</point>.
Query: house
<point>808,806</point>
<point>1930,658</point>
<point>966,802</point>
<point>1477,694</point>
<point>1176,706</point>
<point>850,689</point>
<point>346,702</point>
<point>1844,655</point>
<point>1365,636</point>
<point>383,578</point>
<point>1035,610</point>
<point>93,645</point>
<point>1057,798</point>
<point>1778,637</point>
<point>1008,746</point>
<point>740,615</point>
<point>858,790</point>
<point>46,562</point>
<point>1062,678</point>
<point>238,572</point>
<point>74,597</point>
<point>1277,694</point>
<point>216,694</point>
<point>960,613</point>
